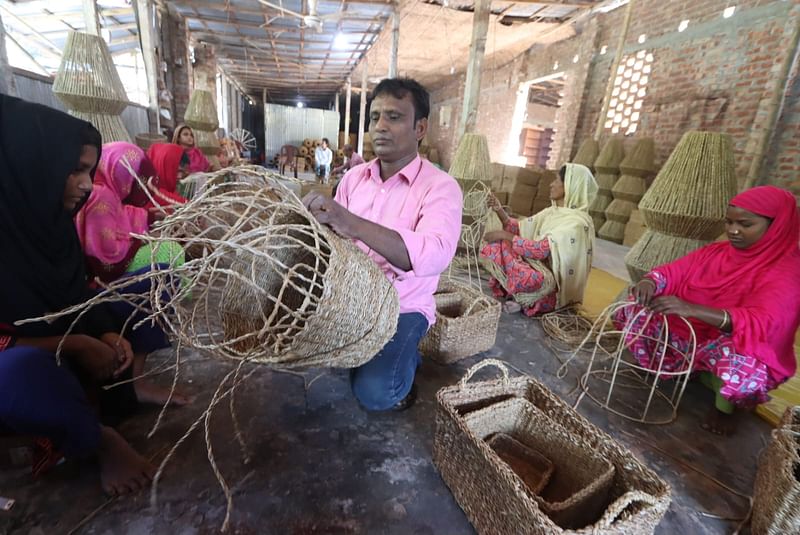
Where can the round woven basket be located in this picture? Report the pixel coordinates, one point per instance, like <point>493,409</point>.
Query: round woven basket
<point>690,195</point>
<point>110,127</point>
<point>654,249</point>
<point>145,139</point>
<point>303,151</point>
<point>201,113</point>
<point>87,80</point>
<point>610,157</point>
<point>587,153</point>
<point>272,285</point>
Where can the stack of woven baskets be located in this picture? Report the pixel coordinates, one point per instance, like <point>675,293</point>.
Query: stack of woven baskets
<point>201,115</point>
<point>466,324</point>
<point>88,84</point>
<point>606,168</point>
<point>685,207</point>
<point>519,460</point>
<point>637,165</point>
<point>587,153</point>
<point>776,498</point>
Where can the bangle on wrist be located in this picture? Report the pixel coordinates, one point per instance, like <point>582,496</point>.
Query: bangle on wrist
<point>725,320</point>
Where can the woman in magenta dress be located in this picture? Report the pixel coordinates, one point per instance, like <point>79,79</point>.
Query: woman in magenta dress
<point>742,298</point>
<point>184,136</point>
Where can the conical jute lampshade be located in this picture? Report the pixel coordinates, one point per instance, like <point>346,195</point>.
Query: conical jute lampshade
<point>606,168</point>
<point>587,153</point>
<point>201,115</point>
<point>472,161</point>
<point>88,84</point>
<point>685,207</point>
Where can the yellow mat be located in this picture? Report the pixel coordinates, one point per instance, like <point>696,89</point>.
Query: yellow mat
<point>604,288</point>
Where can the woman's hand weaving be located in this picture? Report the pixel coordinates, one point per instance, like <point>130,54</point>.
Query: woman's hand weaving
<point>498,235</point>
<point>670,304</point>
<point>643,291</point>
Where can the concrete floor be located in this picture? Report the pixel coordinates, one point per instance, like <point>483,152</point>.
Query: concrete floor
<point>321,465</point>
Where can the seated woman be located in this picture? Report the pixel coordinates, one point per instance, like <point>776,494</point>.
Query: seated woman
<point>543,262</point>
<point>741,296</point>
<point>170,163</point>
<point>106,221</point>
<point>47,160</point>
<point>184,137</point>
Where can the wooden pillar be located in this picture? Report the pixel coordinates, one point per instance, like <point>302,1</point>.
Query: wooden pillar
<point>91,17</point>
<point>395,43</point>
<point>7,85</point>
<point>362,113</point>
<point>336,102</point>
<point>472,86</point>
<point>347,110</point>
<point>147,40</point>
<point>614,66</point>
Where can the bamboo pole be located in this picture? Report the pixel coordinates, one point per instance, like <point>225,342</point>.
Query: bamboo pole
<point>362,112</point>
<point>614,66</point>
<point>395,43</point>
<point>7,85</point>
<point>754,173</point>
<point>472,85</point>
<point>347,110</point>
<point>91,17</point>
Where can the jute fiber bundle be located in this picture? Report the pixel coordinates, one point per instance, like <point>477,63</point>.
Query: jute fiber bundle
<point>685,207</point>
<point>472,161</point>
<point>88,84</point>
<point>466,324</point>
<point>201,113</point>
<point>587,153</point>
<point>776,496</point>
<point>495,499</point>
<point>654,249</point>
<point>610,157</point>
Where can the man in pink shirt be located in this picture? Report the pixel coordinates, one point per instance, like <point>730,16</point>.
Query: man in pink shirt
<point>406,215</point>
<point>352,159</point>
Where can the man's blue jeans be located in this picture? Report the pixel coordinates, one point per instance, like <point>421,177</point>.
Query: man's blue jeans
<point>386,379</point>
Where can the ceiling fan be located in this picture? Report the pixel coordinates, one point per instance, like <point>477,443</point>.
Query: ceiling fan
<point>311,20</point>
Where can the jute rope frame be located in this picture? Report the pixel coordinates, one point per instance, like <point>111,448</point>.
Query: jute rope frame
<point>633,371</point>
<point>264,255</point>
<point>474,205</point>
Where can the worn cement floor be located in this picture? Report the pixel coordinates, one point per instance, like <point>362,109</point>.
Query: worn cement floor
<point>319,464</point>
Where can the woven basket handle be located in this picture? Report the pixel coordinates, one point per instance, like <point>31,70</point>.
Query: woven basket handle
<point>615,509</point>
<point>482,364</point>
<point>479,299</point>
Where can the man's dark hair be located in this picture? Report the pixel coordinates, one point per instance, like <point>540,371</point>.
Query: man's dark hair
<point>400,87</point>
<point>563,173</point>
<point>326,141</point>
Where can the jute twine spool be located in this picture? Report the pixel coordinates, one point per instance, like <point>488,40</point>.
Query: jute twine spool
<point>303,151</point>
<point>587,153</point>
<point>472,161</point>
<point>201,113</point>
<point>308,143</point>
<point>776,496</point>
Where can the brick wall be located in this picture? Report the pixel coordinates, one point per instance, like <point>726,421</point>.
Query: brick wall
<point>717,75</point>
<point>175,44</point>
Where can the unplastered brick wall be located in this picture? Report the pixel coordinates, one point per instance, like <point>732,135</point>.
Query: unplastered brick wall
<point>175,43</point>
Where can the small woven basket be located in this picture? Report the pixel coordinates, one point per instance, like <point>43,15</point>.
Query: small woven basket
<point>466,324</point>
<point>493,497</point>
<point>776,497</point>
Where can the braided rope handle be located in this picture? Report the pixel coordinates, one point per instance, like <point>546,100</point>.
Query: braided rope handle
<point>480,299</point>
<point>615,509</point>
<point>482,364</point>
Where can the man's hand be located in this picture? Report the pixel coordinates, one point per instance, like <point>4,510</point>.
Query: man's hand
<point>498,235</point>
<point>331,213</point>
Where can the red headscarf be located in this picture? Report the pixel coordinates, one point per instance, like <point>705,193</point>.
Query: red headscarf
<point>759,286</point>
<point>166,159</point>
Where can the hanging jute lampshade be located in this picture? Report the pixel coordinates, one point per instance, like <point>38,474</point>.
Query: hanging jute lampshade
<point>606,168</point>
<point>628,189</point>
<point>201,113</point>
<point>587,153</point>
<point>685,207</point>
<point>88,84</point>
<point>207,142</point>
<point>472,161</point>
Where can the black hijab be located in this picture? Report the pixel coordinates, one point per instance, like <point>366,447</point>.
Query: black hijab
<point>41,262</point>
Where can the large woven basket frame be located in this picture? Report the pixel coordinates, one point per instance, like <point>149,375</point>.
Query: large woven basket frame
<point>490,495</point>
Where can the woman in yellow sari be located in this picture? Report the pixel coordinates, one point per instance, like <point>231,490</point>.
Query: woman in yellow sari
<point>542,262</point>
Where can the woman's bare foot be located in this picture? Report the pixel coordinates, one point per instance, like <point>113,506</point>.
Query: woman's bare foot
<point>719,423</point>
<point>511,307</point>
<point>151,393</point>
<point>122,470</point>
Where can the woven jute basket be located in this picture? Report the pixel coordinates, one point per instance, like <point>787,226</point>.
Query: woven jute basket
<point>587,153</point>
<point>271,285</point>
<point>201,112</point>
<point>87,79</point>
<point>610,157</point>
<point>471,160</point>
<point>577,493</point>
<point>690,194</point>
<point>110,126</point>
<point>494,498</point>
<point>654,249</point>
<point>466,324</point>
<point>776,496</point>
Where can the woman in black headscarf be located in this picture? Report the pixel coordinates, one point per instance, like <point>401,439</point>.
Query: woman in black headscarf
<point>47,161</point>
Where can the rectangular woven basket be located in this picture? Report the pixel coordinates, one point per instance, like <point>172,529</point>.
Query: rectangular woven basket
<point>466,324</point>
<point>495,499</point>
<point>776,498</point>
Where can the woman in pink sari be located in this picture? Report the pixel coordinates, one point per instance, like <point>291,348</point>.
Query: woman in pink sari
<point>741,296</point>
<point>184,136</point>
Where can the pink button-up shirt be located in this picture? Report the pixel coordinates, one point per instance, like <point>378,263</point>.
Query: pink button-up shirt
<point>423,205</point>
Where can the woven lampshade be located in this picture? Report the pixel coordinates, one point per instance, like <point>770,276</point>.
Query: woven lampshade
<point>587,153</point>
<point>654,249</point>
<point>597,209</point>
<point>207,142</point>
<point>640,160</point>
<point>87,79</point>
<point>472,161</point>
<point>613,231</point>
<point>109,126</point>
<point>635,229</point>
<point>610,157</point>
<point>690,195</point>
<point>201,113</point>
